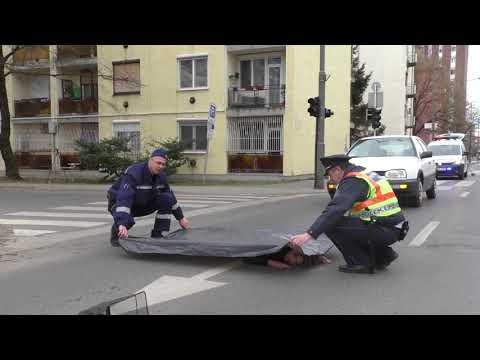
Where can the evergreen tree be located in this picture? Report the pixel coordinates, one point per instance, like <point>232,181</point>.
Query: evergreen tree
<point>358,109</point>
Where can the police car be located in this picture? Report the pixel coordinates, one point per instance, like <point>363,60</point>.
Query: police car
<point>404,160</point>
<point>450,155</point>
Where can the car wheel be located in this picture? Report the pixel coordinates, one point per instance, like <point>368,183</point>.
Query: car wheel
<point>431,193</point>
<point>416,200</point>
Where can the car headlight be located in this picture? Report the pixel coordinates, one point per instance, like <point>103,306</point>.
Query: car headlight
<point>396,174</point>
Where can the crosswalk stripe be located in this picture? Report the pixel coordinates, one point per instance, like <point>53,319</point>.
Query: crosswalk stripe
<point>29,232</point>
<point>84,208</point>
<point>465,183</point>
<point>82,224</point>
<point>440,182</point>
<point>237,197</point>
<point>182,204</point>
<point>212,198</point>
<point>445,187</point>
<point>465,194</point>
<point>60,215</point>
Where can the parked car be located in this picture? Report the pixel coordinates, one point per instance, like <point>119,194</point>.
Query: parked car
<point>404,160</point>
<point>450,156</point>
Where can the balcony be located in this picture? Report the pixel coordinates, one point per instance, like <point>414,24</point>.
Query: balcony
<point>32,107</point>
<point>76,55</point>
<point>411,56</point>
<point>32,56</point>
<point>257,97</point>
<point>411,91</point>
<point>81,106</point>
<point>251,49</point>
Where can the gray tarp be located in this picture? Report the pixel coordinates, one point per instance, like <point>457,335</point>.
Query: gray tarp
<point>219,242</point>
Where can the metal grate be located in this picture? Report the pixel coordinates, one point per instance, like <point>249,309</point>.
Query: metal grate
<point>255,135</point>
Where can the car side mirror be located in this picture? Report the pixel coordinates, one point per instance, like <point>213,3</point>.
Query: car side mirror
<point>425,154</point>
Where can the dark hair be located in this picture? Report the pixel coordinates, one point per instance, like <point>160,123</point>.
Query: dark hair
<point>312,260</point>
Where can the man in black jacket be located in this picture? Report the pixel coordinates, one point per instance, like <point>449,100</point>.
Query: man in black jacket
<point>365,197</point>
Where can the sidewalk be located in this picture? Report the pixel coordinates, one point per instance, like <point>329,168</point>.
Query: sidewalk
<point>75,180</point>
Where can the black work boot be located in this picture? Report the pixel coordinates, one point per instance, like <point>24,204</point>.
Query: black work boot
<point>354,269</point>
<point>114,236</point>
<point>382,265</point>
<point>160,228</point>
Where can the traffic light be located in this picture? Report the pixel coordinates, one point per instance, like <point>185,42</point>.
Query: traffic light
<point>314,109</point>
<point>374,116</point>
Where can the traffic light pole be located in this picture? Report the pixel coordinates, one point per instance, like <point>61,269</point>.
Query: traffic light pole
<point>320,131</point>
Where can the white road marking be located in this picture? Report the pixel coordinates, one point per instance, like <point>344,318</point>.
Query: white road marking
<point>167,287</point>
<point>465,183</point>
<point>206,199</point>
<point>182,204</point>
<point>465,194</point>
<point>424,234</point>
<point>209,201</point>
<point>440,182</point>
<point>28,232</point>
<point>224,196</point>
<point>82,224</point>
<point>60,215</point>
<point>443,188</point>
<point>84,208</point>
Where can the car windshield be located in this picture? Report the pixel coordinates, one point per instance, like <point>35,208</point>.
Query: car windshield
<point>379,147</point>
<point>441,150</point>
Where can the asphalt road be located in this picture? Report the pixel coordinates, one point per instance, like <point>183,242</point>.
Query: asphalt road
<point>72,269</point>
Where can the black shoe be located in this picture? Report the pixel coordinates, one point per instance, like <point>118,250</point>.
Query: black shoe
<point>114,236</point>
<point>383,265</point>
<point>356,269</point>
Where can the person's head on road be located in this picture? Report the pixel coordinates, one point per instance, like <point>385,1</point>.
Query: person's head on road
<point>158,161</point>
<point>293,257</point>
<point>335,166</point>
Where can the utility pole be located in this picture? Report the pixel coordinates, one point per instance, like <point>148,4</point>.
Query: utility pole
<point>53,123</point>
<point>320,131</point>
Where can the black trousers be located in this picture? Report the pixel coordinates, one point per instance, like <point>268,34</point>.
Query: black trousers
<point>351,237</point>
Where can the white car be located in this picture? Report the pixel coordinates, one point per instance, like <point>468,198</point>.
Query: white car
<point>404,160</point>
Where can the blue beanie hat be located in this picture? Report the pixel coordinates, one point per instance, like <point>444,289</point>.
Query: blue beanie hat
<point>159,152</point>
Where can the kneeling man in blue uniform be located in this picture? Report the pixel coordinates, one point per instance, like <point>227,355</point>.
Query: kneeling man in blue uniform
<point>141,191</point>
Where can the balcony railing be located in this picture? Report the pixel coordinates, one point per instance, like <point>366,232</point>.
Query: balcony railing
<point>411,90</point>
<point>76,51</point>
<point>31,55</point>
<point>32,107</point>
<point>257,97</point>
<point>84,106</point>
<point>411,55</point>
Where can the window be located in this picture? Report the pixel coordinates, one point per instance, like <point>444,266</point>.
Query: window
<point>193,72</point>
<point>193,134</point>
<point>89,88</point>
<point>383,147</point>
<point>126,77</point>
<point>129,130</point>
<point>252,73</point>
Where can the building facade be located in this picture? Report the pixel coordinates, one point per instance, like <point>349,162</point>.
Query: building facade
<point>153,93</point>
<point>392,66</point>
<point>260,92</point>
<point>441,89</point>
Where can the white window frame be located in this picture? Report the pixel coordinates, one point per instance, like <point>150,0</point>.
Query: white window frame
<point>264,56</point>
<point>192,122</point>
<point>193,58</point>
<point>125,122</point>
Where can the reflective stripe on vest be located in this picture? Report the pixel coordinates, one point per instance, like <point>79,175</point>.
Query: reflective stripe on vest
<point>381,199</point>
